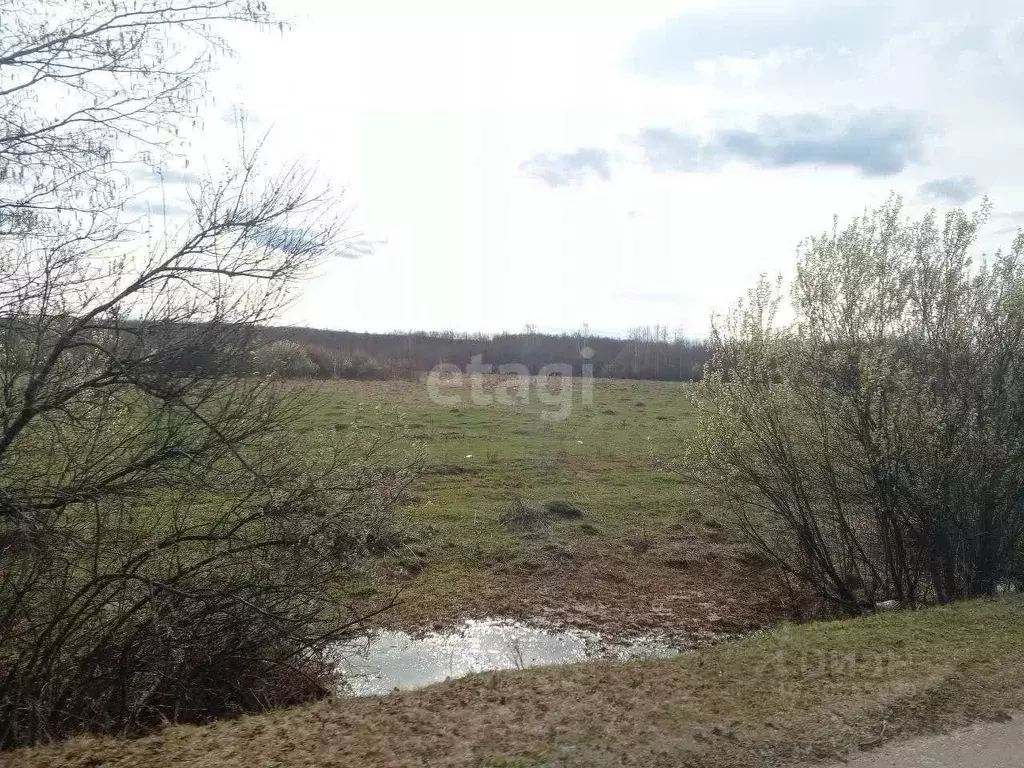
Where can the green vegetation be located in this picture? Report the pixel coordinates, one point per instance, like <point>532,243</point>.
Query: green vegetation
<point>873,440</point>
<point>643,529</point>
<point>806,692</point>
<point>187,533</point>
<point>648,353</point>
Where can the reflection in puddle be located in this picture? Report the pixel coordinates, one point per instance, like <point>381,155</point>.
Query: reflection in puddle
<point>390,660</point>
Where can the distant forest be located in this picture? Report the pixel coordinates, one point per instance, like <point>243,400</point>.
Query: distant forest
<point>648,352</point>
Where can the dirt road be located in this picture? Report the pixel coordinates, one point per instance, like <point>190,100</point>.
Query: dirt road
<point>990,745</point>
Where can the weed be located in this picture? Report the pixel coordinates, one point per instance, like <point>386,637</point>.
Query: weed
<point>518,515</point>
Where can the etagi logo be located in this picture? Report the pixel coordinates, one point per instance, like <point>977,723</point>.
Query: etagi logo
<point>511,385</point>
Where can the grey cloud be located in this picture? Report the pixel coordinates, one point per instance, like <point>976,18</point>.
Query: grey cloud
<point>358,247</point>
<point>565,168</point>
<point>954,190</point>
<point>293,240</point>
<point>877,143</point>
<point>666,151</point>
<point>297,240</point>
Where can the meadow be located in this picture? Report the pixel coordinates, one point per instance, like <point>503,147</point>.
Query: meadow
<point>614,540</point>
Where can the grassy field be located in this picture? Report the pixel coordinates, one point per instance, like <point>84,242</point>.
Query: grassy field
<point>805,692</point>
<point>649,551</point>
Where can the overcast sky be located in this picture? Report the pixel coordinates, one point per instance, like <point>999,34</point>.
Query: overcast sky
<point>555,163</point>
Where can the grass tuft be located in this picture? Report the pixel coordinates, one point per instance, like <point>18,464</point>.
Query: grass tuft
<point>520,516</point>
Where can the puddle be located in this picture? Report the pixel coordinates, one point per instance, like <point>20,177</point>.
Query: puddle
<point>390,660</point>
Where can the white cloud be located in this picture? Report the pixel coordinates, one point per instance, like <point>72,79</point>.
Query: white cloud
<point>425,115</point>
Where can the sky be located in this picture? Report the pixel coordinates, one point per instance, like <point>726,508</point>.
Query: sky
<point>614,164</point>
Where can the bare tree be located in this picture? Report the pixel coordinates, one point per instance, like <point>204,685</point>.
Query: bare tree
<point>872,444</point>
<point>170,548</point>
<point>89,89</point>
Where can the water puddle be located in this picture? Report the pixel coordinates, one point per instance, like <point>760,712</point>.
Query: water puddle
<point>390,660</point>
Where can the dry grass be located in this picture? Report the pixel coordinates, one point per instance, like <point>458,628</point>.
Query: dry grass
<point>803,692</point>
<point>520,516</point>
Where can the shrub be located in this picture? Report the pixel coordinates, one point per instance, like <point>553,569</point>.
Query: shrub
<point>170,549</point>
<point>288,359</point>
<point>122,615</point>
<point>873,445</point>
<point>327,361</point>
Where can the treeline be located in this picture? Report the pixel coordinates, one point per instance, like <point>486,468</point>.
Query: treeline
<point>648,352</point>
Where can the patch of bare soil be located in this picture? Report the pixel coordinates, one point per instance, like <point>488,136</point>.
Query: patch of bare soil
<point>696,597</point>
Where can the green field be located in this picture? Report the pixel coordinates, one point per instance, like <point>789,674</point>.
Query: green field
<point>649,551</point>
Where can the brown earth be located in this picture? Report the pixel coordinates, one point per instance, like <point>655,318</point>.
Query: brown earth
<point>697,597</point>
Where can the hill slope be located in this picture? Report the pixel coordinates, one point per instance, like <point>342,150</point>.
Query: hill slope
<point>811,691</point>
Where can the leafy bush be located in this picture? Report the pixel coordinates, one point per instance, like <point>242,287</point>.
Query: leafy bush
<point>284,358</point>
<point>873,444</point>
